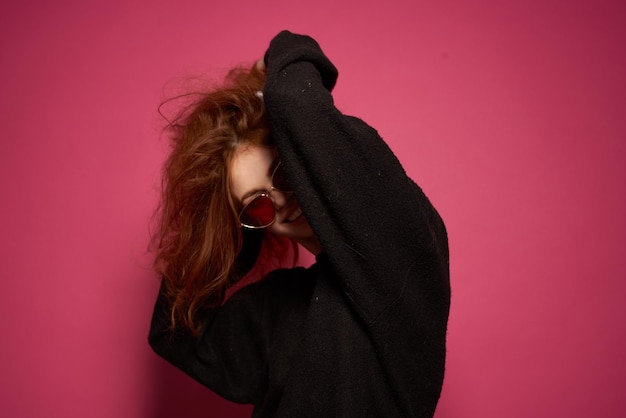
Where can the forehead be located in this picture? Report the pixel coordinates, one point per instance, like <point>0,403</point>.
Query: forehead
<point>249,170</point>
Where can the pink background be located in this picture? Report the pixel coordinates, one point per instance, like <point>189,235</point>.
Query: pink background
<point>510,114</point>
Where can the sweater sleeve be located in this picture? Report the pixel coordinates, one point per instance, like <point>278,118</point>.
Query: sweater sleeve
<point>384,240</point>
<point>381,234</point>
<point>230,354</point>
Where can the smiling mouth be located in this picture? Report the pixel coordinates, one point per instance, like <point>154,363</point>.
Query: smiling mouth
<point>294,216</point>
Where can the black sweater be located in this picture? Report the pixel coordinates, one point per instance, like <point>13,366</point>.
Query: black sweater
<point>361,333</point>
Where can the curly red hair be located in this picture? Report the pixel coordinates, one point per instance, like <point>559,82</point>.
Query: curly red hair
<point>198,236</point>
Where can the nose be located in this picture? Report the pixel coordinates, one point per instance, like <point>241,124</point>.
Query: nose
<point>278,197</point>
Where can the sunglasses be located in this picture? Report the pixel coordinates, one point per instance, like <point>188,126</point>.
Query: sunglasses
<point>259,212</point>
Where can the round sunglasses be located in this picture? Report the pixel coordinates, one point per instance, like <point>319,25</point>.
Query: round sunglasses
<point>260,212</point>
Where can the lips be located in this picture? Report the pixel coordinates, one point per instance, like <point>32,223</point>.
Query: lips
<point>295,215</point>
<point>294,212</point>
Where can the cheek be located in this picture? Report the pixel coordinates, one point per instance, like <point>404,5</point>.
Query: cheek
<point>297,231</point>
<point>281,230</point>
<point>276,229</point>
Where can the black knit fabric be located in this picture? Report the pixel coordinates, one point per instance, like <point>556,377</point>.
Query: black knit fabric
<point>362,332</point>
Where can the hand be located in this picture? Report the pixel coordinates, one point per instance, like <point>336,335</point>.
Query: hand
<point>260,65</point>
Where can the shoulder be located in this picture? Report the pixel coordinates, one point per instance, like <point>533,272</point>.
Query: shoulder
<point>288,279</point>
<point>279,285</point>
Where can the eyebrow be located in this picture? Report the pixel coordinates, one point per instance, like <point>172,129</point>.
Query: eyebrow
<point>270,172</point>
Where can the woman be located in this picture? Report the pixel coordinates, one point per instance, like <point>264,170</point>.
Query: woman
<point>361,333</point>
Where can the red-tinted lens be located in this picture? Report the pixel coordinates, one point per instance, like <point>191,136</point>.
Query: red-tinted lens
<point>258,213</point>
<point>279,181</point>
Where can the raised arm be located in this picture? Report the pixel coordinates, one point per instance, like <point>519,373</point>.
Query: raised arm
<point>230,355</point>
<point>379,230</point>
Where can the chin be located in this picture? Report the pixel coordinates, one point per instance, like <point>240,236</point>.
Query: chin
<point>298,230</point>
